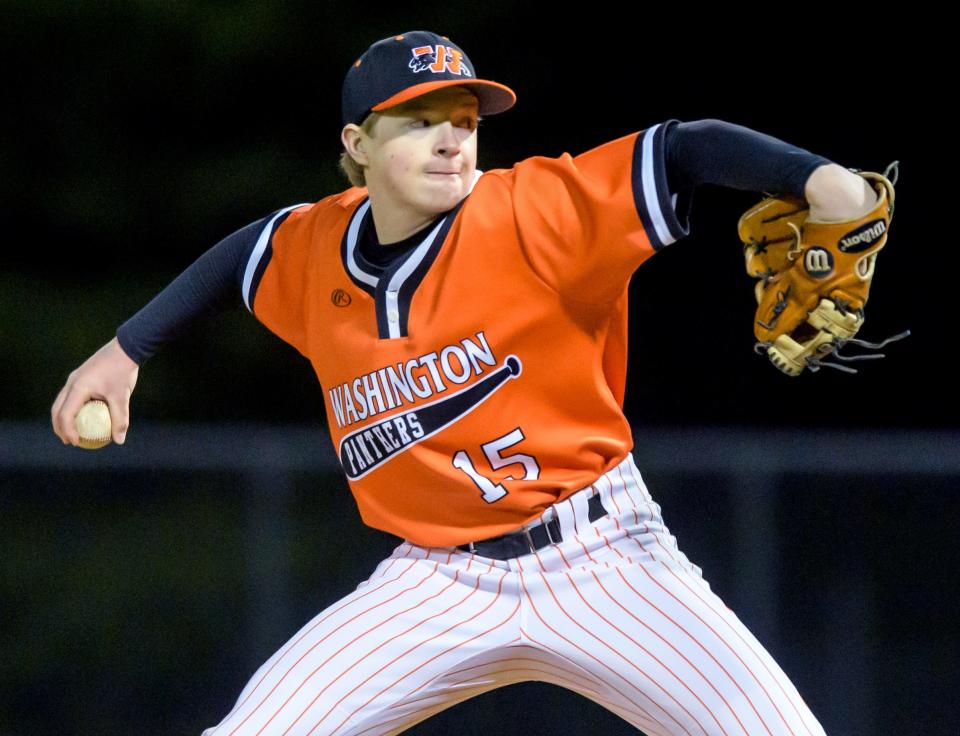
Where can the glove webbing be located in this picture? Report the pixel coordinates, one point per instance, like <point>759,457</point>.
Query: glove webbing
<point>814,364</point>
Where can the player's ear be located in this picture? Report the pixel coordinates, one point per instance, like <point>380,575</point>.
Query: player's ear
<point>352,138</point>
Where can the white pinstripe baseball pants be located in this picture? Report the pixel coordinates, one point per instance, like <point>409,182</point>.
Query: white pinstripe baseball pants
<point>615,612</point>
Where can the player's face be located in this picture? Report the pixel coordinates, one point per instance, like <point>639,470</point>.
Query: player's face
<point>424,152</point>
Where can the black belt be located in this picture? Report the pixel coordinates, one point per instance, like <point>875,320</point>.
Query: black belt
<point>517,544</point>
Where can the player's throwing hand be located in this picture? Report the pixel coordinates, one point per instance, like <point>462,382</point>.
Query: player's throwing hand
<point>109,374</point>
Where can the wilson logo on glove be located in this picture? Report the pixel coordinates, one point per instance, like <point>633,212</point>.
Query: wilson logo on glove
<point>818,262</point>
<point>813,296</point>
<point>863,237</point>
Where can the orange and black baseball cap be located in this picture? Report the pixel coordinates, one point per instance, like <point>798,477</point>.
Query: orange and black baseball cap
<point>402,67</point>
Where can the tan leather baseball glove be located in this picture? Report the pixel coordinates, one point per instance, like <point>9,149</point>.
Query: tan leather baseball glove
<point>814,277</point>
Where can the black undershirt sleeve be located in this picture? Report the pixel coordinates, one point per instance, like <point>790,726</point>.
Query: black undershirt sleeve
<point>714,151</point>
<point>699,152</point>
<point>210,285</point>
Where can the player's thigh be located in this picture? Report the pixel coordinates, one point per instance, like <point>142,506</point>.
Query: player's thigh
<point>487,670</point>
<point>418,615</point>
<point>643,622</point>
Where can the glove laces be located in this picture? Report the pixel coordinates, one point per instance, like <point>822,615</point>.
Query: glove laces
<point>814,363</point>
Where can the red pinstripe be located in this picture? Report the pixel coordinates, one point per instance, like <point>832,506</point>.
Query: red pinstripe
<point>563,557</point>
<point>648,652</point>
<point>754,651</point>
<point>394,560</point>
<point>633,474</point>
<point>596,659</point>
<point>681,654</point>
<point>403,702</point>
<point>573,512</point>
<point>586,551</point>
<point>544,663</point>
<point>435,677</point>
<point>358,661</point>
<point>425,662</point>
<point>473,558</point>
<point>539,561</point>
<point>545,647</point>
<point>320,641</point>
<point>607,542</point>
<point>315,625</point>
<point>636,517</point>
<point>613,497</point>
<point>641,545</point>
<point>715,632</point>
<point>656,537</point>
<point>554,679</point>
<point>626,488</point>
<point>614,651</point>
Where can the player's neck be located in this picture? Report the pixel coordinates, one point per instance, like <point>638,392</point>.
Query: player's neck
<point>392,228</point>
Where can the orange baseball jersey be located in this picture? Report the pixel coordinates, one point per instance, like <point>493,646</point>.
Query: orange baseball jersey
<point>480,378</point>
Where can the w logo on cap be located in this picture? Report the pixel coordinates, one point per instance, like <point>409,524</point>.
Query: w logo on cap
<point>439,59</point>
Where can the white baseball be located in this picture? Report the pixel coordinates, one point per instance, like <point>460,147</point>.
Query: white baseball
<point>93,424</point>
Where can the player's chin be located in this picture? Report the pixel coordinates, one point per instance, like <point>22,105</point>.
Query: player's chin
<point>446,189</point>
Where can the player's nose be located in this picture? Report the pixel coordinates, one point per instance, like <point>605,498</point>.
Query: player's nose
<point>448,141</point>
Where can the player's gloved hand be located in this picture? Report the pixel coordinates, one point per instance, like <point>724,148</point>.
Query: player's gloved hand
<point>109,374</point>
<point>814,277</point>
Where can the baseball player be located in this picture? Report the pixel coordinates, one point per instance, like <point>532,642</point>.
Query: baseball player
<point>469,330</point>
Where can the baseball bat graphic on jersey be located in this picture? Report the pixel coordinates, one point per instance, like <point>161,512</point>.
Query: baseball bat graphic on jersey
<point>413,426</point>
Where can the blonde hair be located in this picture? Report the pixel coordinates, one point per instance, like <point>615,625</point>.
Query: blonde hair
<point>354,171</point>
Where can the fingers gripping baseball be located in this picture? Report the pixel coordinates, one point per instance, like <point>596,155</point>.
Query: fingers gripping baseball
<point>109,374</point>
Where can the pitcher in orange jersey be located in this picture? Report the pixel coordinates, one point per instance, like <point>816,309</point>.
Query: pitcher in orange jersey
<point>469,329</point>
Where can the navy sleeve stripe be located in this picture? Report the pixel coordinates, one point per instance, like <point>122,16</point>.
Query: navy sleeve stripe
<point>261,255</point>
<point>207,287</point>
<point>651,192</point>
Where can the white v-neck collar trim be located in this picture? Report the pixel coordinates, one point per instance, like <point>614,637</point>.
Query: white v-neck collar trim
<point>411,261</point>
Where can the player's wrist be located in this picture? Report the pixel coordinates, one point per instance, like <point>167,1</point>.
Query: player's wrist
<point>117,348</point>
<point>836,194</point>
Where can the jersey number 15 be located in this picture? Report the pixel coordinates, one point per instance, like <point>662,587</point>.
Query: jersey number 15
<point>493,449</point>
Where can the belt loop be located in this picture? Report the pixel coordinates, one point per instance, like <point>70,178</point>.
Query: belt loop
<point>526,534</point>
<point>550,533</point>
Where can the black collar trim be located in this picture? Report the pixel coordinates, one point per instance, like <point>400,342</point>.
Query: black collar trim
<point>393,289</point>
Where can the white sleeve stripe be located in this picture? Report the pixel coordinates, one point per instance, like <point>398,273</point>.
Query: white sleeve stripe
<point>258,250</point>
<point>652,200</point>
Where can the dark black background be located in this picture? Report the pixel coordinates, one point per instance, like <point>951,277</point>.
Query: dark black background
<point>137,134</point>
<point>144,133</point>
